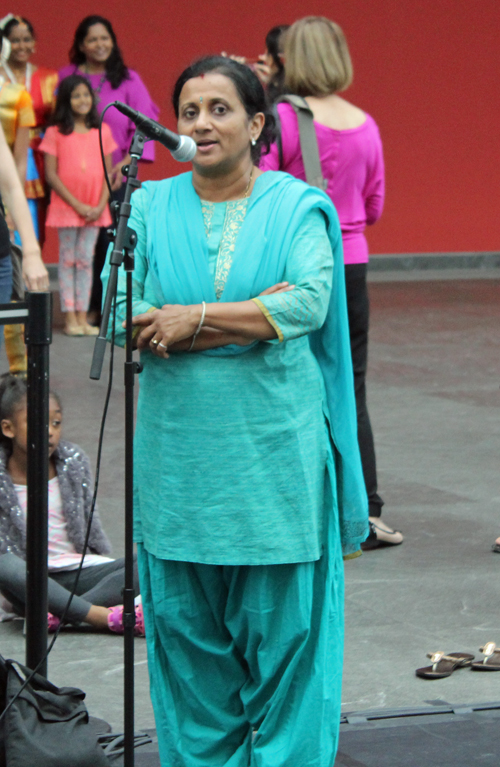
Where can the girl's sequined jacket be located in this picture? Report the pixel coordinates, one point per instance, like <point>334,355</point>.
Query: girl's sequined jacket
<point>75,482</point>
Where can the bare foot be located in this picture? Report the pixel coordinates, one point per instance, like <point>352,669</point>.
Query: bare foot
<point>87,330</point>
<point>73,330</point>
<point>98,617</point>
<point>72,326</point>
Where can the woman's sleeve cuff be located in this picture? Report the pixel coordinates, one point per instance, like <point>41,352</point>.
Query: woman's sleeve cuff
<point>270,319</point>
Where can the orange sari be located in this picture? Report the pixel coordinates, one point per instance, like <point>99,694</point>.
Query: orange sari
<point>43,95</point>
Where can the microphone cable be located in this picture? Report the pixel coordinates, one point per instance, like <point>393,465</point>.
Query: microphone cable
<point>101,148</point>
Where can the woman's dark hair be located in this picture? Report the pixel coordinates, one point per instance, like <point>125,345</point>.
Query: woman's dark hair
<point>248,88</point>
<point>116,71</point>
<point>274,46</point>
<point>15,22</point>
<point>13,397</point>
<point>63,115</point>
<point>13,390</point>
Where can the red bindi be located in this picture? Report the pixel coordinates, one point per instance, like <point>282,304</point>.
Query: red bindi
<point>202,75</point>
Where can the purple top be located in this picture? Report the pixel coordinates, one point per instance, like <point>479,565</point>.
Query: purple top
<point>353,164</point>
<point>132,92</point>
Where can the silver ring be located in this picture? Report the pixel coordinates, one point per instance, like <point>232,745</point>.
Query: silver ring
<point>154,341</point>
<point>162,345</point>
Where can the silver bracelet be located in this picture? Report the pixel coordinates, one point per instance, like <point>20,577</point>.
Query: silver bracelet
<point>200,325</point>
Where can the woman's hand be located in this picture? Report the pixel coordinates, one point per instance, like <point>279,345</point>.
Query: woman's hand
<point>35,274</point>
<point>239,59</point>
<point>116,175</point>
<point>93,214</point>
<point>163,327</point>
<point>82,209</point>
<point>174,323</point>
<point>10,224</point>
<point>280,287</point>
<point>262,70</point>
<point>209,338</point>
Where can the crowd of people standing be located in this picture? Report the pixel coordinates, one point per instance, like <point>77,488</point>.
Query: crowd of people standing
<point>318,68</point>
<point>65,159</point>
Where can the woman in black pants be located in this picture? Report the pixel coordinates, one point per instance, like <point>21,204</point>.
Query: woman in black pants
<point>318,67</point>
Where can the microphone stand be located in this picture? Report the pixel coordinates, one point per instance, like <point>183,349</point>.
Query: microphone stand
<point>123,252</point>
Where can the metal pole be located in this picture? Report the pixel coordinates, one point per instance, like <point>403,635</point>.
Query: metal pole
<point>38,337</point>
<point>123,249</point>
<point>128,592</point>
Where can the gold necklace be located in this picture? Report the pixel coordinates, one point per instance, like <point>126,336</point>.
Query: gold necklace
<point>245,193</point>
<point>248,185</point>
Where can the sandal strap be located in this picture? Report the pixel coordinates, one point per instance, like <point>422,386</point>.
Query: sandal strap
<point>488,650</point>
<point>437,657</point>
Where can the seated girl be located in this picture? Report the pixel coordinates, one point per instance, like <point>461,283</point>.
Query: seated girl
<point>70,497</point>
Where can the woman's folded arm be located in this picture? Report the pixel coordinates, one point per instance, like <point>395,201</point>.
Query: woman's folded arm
<point>284,312</point>
<point>309,268</point>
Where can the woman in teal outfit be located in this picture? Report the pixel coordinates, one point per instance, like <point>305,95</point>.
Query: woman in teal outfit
<point>248,477</point>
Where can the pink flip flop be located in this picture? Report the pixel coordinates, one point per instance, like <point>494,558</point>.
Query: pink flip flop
<point>115,620</point>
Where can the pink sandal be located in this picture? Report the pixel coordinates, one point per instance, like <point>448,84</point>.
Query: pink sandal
<point>53,623</point>
<point>115,620</point>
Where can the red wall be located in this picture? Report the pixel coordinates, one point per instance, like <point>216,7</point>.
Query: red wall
<point>428,72</point>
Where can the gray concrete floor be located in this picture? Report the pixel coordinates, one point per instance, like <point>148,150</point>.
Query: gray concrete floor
<point>434,396</point>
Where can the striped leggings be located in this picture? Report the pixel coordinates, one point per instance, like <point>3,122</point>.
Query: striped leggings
<point>76,252</point>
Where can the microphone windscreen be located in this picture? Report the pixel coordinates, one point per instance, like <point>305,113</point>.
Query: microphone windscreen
<point>186,150</point>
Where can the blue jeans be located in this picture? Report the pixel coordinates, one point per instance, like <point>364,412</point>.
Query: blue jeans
<point>5,284</point>
<point>5,279</point>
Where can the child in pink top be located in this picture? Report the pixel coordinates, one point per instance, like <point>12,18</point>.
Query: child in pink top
<point>78,206</point>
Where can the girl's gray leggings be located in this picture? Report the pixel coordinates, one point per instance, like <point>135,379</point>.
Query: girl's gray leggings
<point>98,585</point>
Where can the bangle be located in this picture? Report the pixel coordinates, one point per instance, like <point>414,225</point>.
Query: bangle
<point>200,325</point>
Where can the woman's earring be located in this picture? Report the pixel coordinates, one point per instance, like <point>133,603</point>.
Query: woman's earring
<point>254,142</point>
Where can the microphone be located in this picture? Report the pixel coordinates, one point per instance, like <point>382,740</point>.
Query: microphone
<point>182,148</point>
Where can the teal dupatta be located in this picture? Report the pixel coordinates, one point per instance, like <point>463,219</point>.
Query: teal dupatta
<point>179,272</point>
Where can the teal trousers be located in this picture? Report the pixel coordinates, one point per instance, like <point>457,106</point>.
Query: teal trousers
<point>245,662</point>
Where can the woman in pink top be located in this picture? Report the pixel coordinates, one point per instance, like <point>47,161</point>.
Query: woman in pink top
<point>79,197</point>
<point>318,67</point>
<point>96,55</point>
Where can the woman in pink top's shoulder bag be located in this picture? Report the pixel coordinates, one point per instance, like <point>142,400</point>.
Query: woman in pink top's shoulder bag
<point>318,67</point>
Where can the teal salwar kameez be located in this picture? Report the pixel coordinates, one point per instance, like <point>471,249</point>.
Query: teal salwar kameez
<point>235,650</point>
<point>247,479</point>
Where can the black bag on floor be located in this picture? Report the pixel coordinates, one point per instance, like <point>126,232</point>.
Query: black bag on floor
<point>46,726</point>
